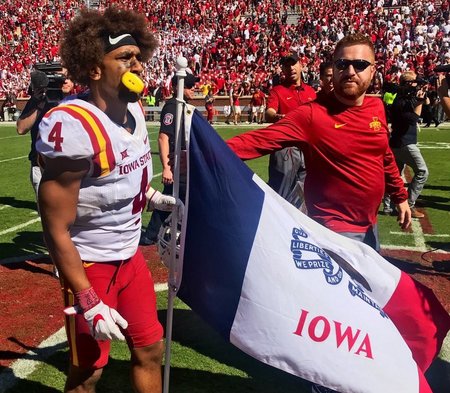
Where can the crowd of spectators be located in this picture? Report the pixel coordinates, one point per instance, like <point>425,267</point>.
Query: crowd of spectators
<point>240,41</point>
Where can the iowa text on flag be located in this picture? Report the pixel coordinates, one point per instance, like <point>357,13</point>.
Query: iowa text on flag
<point>293,294</point>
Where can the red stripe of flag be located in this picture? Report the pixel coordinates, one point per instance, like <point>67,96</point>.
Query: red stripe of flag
<point>420,318</point>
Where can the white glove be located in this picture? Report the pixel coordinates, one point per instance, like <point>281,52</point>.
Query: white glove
<point>103,321</point>
<point>167,203</point>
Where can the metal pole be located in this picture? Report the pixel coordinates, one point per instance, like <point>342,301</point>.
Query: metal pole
<point>174,263</point>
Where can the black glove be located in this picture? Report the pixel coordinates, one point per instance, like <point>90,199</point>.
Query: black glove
<point>39,83</point>
<point>39,94</point>
<point>38,99</point>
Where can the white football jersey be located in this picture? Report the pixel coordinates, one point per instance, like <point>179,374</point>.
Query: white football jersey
<point>112,195</point>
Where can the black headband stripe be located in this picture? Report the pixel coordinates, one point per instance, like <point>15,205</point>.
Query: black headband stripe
<point>112,43</point>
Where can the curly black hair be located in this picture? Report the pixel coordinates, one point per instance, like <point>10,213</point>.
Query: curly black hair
<point>82,44</point>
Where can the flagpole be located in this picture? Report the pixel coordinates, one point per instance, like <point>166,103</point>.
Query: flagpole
<point>181,66</point>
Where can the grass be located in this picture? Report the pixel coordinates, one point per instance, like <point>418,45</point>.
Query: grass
<point>201,360</point>
<point>18,207</point>
<point>435,197</point>
<point>198,365</point>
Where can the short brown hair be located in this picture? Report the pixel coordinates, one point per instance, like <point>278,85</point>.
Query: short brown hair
<point>82,44</point>
<point>353,39</point>
<point>407,76</point>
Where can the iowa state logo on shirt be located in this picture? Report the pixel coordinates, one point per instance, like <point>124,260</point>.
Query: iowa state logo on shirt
<point>375,124</point>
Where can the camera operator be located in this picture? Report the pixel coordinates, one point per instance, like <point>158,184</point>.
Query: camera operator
<point>405,114</point>
<point>35,109</point>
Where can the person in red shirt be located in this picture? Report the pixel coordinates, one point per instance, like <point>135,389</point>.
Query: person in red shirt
<point>257,103</point>
<point>236,92</point>
<point>220,83</point>
<point>287,167</point>
<point>345,138</point>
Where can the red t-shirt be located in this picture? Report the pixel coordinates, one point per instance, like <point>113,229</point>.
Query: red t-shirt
<point>257,98</point>
<point>347,155</point>
<point>286,98</point>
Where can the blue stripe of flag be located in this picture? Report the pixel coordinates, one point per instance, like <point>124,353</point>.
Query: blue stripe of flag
<point>224,210</point>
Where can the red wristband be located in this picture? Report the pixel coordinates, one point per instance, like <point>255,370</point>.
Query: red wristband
<point>86,299</point>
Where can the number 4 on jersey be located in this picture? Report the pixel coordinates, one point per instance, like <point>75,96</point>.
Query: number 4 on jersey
<point>55,136</point>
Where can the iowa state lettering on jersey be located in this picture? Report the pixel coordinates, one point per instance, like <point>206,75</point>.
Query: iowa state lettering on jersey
<point>125,169</point>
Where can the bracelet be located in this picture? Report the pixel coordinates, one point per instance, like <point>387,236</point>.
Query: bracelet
<point>87,299</point>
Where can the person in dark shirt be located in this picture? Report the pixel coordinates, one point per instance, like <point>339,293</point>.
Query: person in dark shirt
<point>166,142</point>
<point>442,89</point>
<point>35,109</point>
<point>405,113</point>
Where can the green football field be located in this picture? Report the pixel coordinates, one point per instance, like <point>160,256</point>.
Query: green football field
<point>201,360</point>
<point>20,226</point>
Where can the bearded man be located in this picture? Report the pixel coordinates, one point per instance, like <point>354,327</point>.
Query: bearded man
<point>344,137</point>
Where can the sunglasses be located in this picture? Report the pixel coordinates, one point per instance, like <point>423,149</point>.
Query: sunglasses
<point>358,65</point>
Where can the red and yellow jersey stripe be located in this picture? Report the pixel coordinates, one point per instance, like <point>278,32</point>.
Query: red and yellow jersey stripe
<point>103,157</point>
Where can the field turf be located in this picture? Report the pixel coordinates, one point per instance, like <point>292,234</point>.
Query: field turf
<point>201,360</point>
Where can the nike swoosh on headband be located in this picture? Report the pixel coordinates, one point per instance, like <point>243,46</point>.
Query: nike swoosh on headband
<point>114,41</point>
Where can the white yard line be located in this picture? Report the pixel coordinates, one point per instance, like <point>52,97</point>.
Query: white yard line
<point>22,368</point>
<point>4,206</point>
<point>25,224</point>
<point>410,234</point>
<point>402,248</point>
<point>10,137</point>
<point>161,287</point>
<point>418,235</point>
<point>435,147</point>
<point>419,239</point>
<point>13,159</point>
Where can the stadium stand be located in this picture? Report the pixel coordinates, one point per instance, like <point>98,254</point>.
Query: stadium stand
<point>237,40</point>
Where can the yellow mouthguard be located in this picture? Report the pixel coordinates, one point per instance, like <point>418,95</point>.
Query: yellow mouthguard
<point>132,82</point>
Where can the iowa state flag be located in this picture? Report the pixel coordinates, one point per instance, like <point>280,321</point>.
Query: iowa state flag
<point>292,293</point>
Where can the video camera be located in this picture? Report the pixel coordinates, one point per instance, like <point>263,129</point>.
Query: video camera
<point>407,89</point>
<point>420,81</point>
<point>49,76</point>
